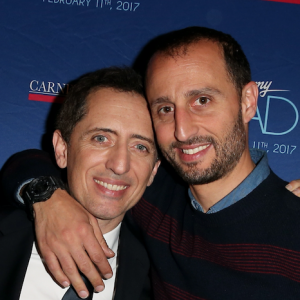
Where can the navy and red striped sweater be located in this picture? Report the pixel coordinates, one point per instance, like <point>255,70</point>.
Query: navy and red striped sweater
<point>250,250</point>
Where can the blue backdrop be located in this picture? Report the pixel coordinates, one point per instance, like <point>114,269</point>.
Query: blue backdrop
<point>48,43</point>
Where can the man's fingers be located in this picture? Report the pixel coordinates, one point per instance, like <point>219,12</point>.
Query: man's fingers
<point>73,238</point>
<point>77,282</point>
<point>54,268</point>
<point>68,269</point>
<point>98,252</point>
<point>294,187</point>
<point>84,264</point>
<point>94,252</point>
<point>81,260</point>
<point>297,192</point>
<point>97,255</point>
<point>94,249</point>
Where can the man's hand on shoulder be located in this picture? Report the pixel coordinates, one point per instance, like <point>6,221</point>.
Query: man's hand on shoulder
<point>294,187</point>
<point>69,237</point>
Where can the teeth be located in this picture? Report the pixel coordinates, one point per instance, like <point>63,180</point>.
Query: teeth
<point>195,150</point>
<point>112,187</point>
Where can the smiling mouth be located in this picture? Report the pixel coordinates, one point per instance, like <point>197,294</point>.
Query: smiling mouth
<point>195,150</point>
<point>111,187</point>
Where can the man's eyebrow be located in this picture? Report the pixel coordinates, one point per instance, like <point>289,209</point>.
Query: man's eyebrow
<point>136,136</point>
<point>198,92</point>
<point>97,129</point>
<point>143,138</point>
<point>160,100</point>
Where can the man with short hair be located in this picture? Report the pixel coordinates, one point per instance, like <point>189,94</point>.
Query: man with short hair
<point>110,156</point>
<point>232,232</point>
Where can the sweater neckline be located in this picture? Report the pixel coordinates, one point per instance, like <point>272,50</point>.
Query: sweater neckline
<point>259,198</point>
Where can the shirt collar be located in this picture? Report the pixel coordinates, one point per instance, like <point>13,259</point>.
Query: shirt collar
<point>259,173</point>
<point>112,238</point>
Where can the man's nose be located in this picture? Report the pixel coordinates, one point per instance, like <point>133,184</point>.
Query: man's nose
<point>185,128</point>
<point>119,160</point>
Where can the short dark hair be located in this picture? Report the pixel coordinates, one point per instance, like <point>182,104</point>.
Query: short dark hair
<point>176,42</point>
<point>74,108</point>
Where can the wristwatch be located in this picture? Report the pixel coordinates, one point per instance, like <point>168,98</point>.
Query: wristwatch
<point>40,189</point>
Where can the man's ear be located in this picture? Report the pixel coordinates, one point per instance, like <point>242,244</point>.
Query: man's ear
<point>249,101</point>
<point>154,171</point>
<point>60,149</point>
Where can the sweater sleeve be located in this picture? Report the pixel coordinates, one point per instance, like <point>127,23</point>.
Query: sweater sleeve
<point>21,168</point>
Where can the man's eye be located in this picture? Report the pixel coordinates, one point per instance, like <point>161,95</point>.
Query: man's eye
<point>165,110</point>
<point>100,138</point>
<point>202,101</point>
<point>141,147</point>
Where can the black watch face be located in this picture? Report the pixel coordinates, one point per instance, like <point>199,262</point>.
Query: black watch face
<point>40,188</point>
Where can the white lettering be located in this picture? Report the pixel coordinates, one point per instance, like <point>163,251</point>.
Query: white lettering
<point>31,85</point>
<point>62,90</point>
<point>76,2</point>
<point>50,87</point>
<point>42,86</point>
<point>264,88</point>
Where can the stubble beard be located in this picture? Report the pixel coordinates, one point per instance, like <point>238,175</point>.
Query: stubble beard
<point>228,153</point>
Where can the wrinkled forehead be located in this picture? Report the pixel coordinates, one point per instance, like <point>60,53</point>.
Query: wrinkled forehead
<point>110,101</point>
<point>122,110</point>
<point>107,93</point>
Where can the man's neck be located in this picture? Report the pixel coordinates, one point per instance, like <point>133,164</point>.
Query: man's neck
<point>209,194</point>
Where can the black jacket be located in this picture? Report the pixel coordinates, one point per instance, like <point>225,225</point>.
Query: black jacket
<point>17,236</point>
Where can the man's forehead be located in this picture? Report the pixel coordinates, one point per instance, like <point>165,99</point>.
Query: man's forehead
<point>120,111</point>
<point>203,53</point>
<point>186,49</point>
<point>108,93</point>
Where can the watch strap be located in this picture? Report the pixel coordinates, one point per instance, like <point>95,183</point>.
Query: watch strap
<point>30,197</point>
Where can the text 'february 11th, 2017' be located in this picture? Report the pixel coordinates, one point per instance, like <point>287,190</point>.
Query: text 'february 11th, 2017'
<point>102,4</point>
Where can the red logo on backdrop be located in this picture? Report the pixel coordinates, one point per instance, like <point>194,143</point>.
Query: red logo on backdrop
<point>286,1</point>
<point>47,91</point>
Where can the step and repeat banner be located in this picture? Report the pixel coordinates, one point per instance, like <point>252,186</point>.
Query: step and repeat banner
<point>45,44</point>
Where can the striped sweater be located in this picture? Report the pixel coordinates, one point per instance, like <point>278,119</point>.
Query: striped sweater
<point>250,250</point>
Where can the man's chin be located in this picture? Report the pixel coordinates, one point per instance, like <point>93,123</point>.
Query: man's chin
<point>193,174</point>
<point>106,214</point>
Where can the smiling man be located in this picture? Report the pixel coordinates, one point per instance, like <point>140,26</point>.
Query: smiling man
<point>106,152</point>
<point>235,236</point>
<point>110,156</point>
<point>231,230</point>
<point>192,94</point>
